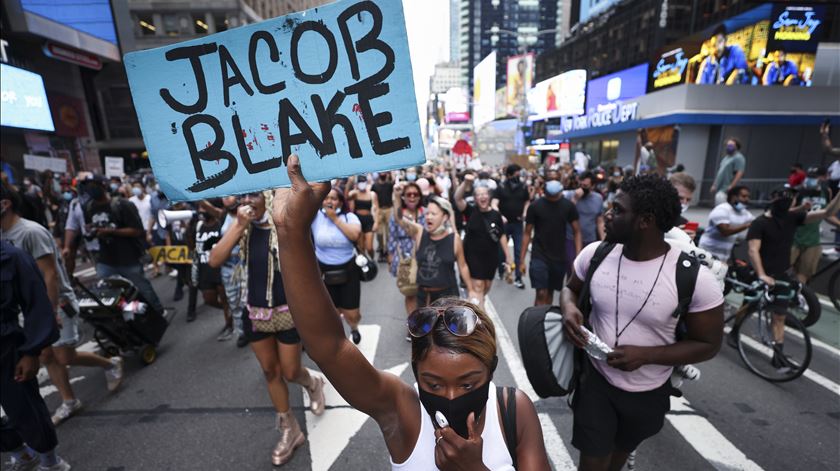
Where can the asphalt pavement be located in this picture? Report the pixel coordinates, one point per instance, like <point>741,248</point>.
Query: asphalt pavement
<point>203,404</point>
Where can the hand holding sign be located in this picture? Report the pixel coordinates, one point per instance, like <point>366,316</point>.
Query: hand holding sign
<point>295,207</point>
<point>331,84</point>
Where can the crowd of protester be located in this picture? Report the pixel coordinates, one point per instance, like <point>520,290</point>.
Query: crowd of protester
<point>445,234</point>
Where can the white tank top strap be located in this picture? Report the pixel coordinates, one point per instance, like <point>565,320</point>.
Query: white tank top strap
<point>494,453</point>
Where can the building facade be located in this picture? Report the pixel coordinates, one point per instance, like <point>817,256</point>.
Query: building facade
<point>523,26</point>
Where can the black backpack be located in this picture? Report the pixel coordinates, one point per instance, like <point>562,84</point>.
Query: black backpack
<point>551,361</point>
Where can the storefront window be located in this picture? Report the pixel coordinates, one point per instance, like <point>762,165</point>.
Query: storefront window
<point>145,26</point>
<point>608,153</point>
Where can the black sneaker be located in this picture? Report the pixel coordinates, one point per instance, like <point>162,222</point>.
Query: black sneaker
<point>357,337</point>
<point>382,258</point>
<point>519,284</point>
<point>190,316</point>
<point>780,361</point>
<point>732,338</point>
<point>241,341</point>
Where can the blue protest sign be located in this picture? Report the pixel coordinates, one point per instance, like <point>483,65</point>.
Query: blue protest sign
<point>219,114</point>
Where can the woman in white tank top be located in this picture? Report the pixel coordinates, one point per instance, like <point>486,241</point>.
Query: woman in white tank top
<point>453,357</point>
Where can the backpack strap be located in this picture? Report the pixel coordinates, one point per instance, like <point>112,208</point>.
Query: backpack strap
<point>687,269</point>
<point>584,301</point>
<point>508,410</point>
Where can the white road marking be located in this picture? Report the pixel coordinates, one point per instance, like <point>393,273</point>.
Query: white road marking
<point>557,451</point>
<point>809,373</point>
<point>330,433</point>
<point>90,271</point>
<point>50,389</point>
<point>707,440</point>
<point>815,342</point>
<point>91,346</point>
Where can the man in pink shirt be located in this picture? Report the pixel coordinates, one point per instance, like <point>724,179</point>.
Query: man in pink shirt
<point>623,400</point>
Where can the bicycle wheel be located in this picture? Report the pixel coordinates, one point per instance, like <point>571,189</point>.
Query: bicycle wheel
<point>806,307</point>
<point>771,360</point>
<point>834,289</point>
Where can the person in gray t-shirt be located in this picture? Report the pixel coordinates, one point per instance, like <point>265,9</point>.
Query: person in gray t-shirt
<point>37,241</point>
<point>730,172</point>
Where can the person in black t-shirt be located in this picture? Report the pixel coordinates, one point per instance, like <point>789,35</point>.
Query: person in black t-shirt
<point>513,198</point>
<point>116,223</point>
<point>484,236</point>
<point>770,239</point>
<point>383,186</point>
<point>546,220</point>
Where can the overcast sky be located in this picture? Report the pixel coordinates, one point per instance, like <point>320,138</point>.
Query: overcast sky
<point>427,22</point>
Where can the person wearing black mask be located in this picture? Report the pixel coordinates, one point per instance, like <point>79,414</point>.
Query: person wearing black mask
<point>453,359</point>
<point>116,224</point>
<point>513,197</point>
<point>770,241</point>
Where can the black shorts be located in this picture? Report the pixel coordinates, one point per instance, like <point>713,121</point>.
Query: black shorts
<point>209,277</point>
<point>367,222</point>
<point>288,337</point>
<point>426,297</point>
<point>608,419</point>
<point>545,274</point>
<point>346,295</point>
<point>483,265</point>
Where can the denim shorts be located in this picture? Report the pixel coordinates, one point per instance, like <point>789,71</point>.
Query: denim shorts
<point>546,274</point>
<point>68,332</point>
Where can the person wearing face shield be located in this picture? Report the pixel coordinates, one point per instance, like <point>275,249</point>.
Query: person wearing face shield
<point>451,419</point>
<point>771,238</point>
<point>730,171</point>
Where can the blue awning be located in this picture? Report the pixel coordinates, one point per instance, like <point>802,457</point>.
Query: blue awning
<point>701,119</point>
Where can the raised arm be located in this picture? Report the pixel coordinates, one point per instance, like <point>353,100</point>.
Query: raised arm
<point>460,202</point>
<point>821,214</point>
<point>221,251</point>
<point>367,389</point>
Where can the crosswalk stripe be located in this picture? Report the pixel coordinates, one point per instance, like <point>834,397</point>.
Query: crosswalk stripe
<point>557,451</point>
<point>50,389</point>
<point>707,440</point>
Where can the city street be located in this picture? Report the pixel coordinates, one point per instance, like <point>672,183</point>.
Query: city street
<point>203,404</point>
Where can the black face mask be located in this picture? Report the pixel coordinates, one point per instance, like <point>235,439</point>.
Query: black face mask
<point>586,191</point>
<point>780,206</point>
<point>456,410</point>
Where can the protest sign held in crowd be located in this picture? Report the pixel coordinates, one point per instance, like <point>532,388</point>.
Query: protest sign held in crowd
<point>218,113</point>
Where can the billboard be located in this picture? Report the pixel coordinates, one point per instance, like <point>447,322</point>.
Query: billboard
<point>520,76</point>
<point>23,100</point>
<point>455,104</point>
<point>484,91</point>
<point>592,8</point>
<point>769,45</point>
<point>561,95</point>
<point>93,17</point>
<point>605,92</point>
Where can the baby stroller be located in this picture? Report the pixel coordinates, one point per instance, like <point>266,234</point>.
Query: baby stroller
<point>123,322</point>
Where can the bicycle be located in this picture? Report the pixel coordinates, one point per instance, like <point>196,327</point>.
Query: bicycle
<point>753,335</point>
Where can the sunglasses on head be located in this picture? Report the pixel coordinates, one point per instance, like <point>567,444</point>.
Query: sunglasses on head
<point>461,321</point>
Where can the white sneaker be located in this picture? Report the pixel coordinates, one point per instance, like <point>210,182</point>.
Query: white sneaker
<point>22,465</point>
<point>60,466</point>
<point>173,274</point>
<point>114,374</point>
<point>65,411</point>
